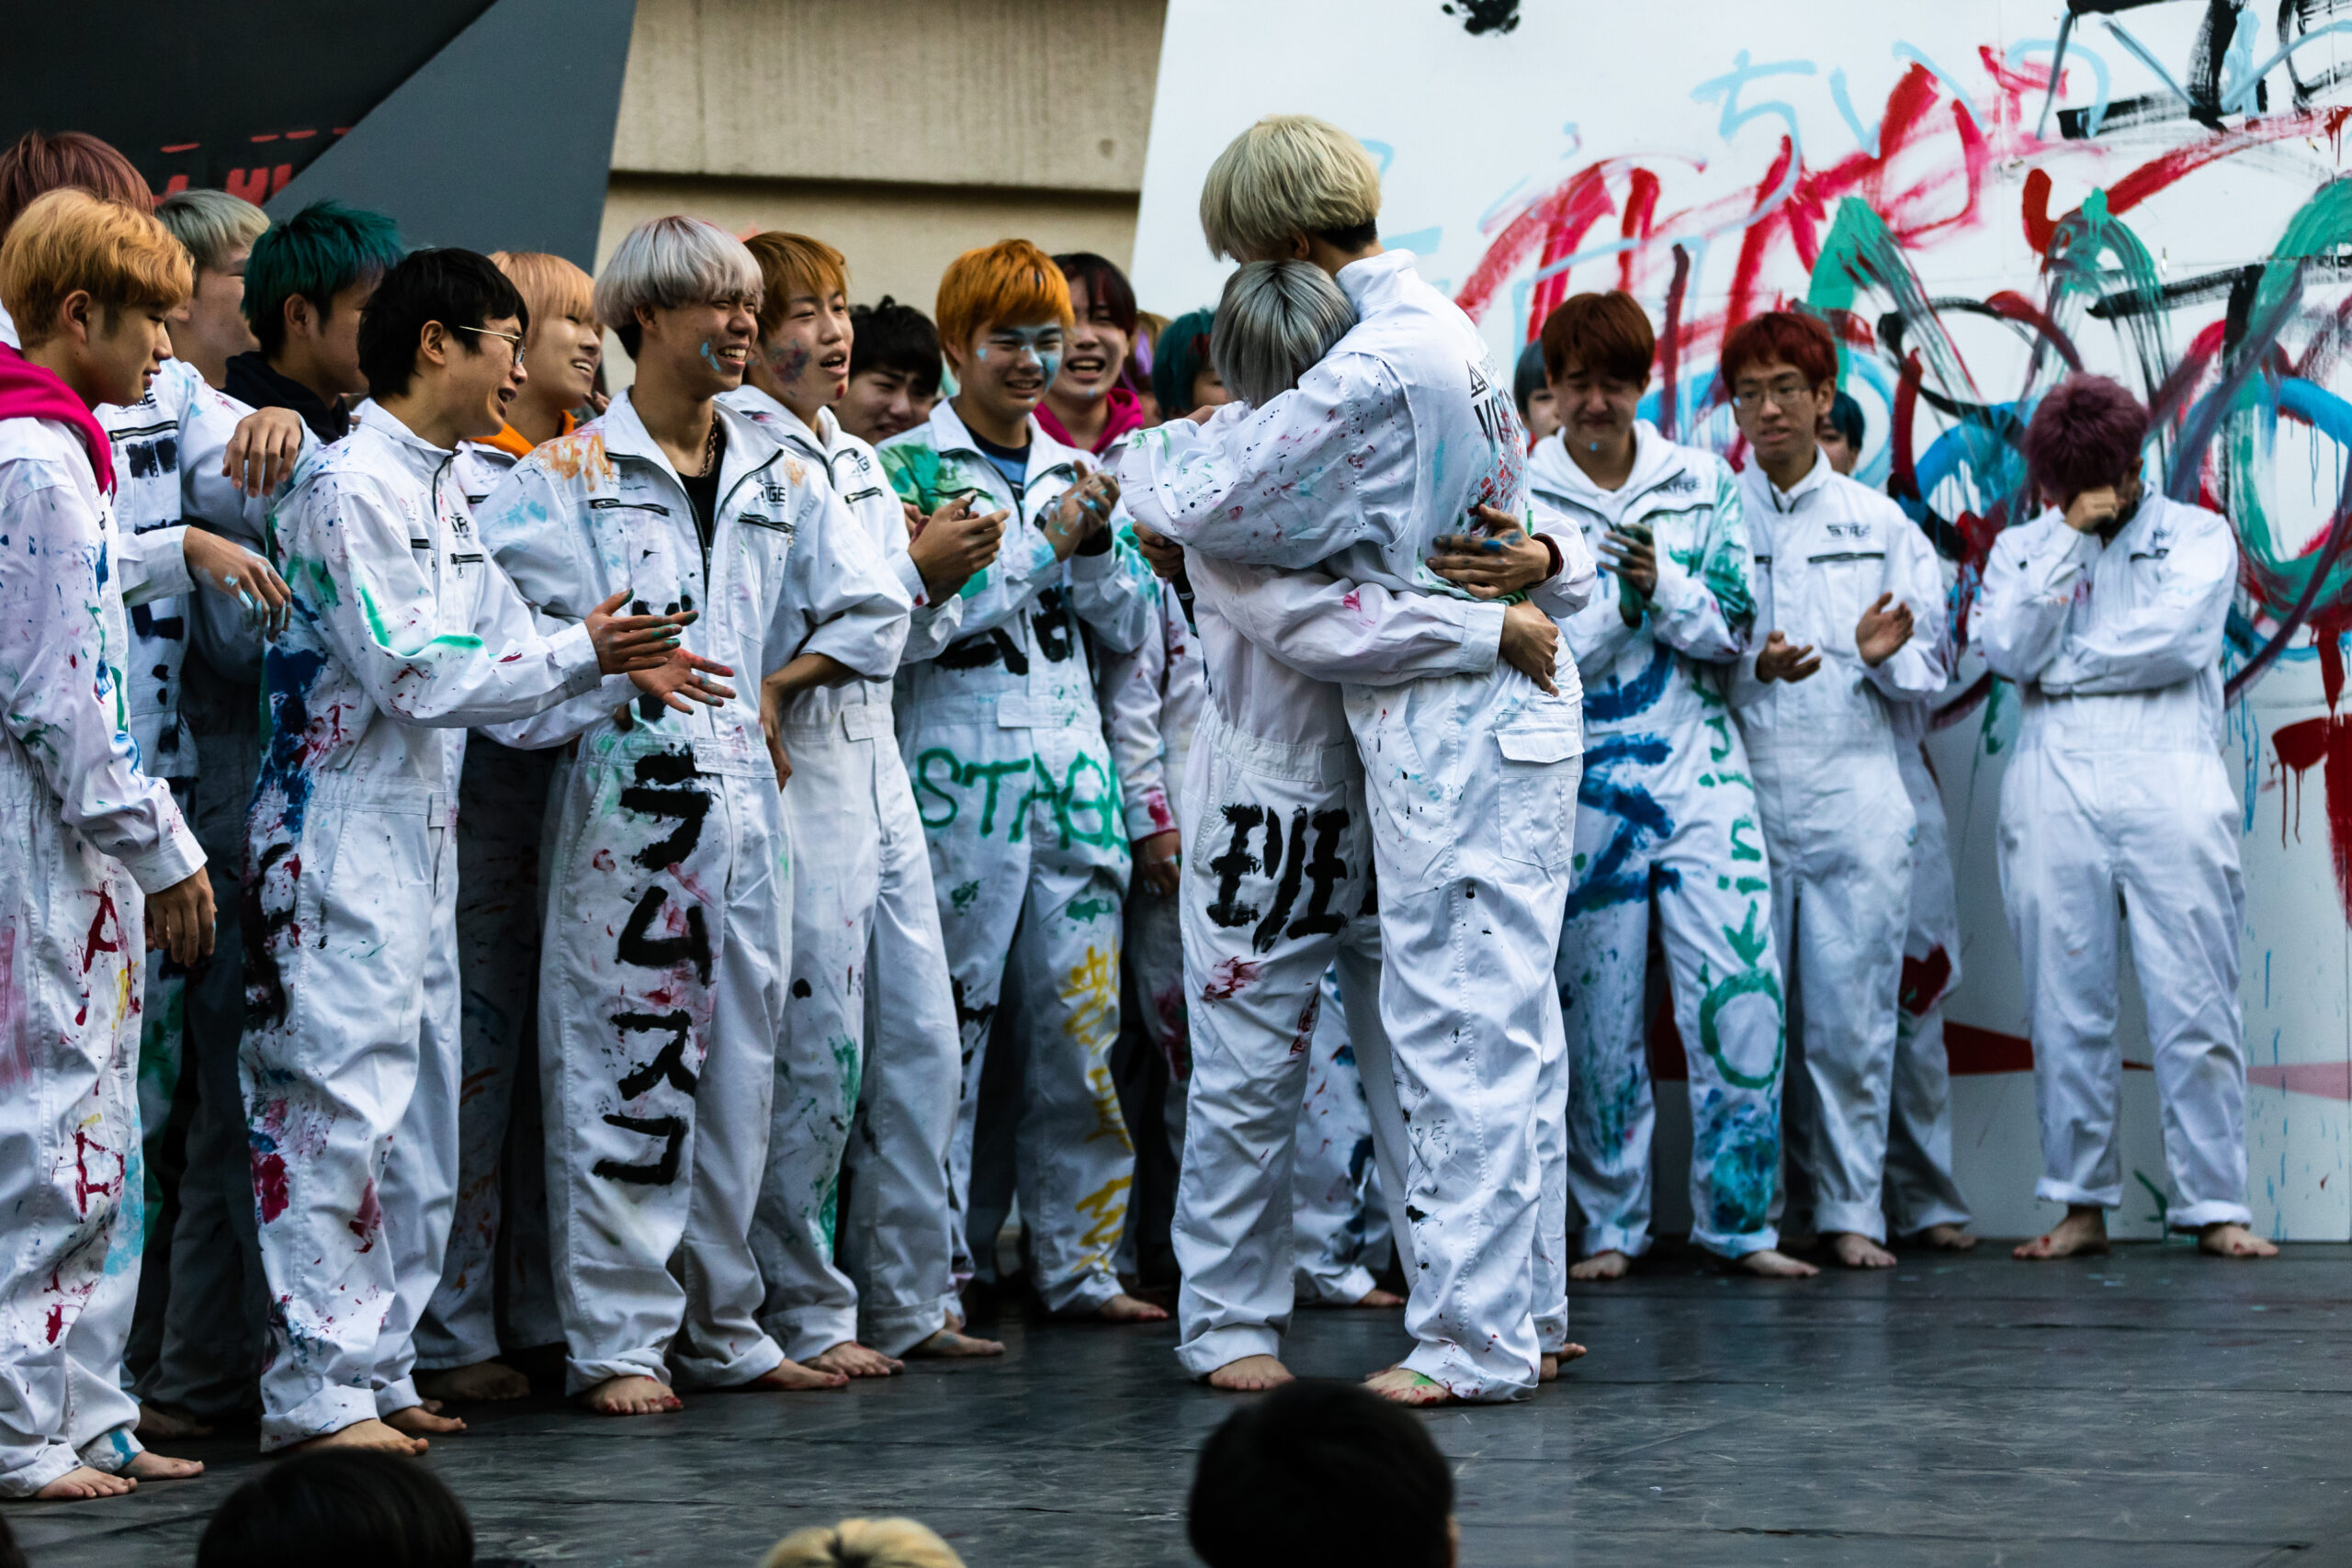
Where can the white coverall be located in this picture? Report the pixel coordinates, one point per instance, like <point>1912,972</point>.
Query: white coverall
<point>1027,836</point>
<point>2116,805</point>
<point>1339,1227</point>
<point>1838,824</point>
<point>89,837</point>
<point>868,1064</point>
<point>668,896</point>
<point>1920,1190</point>
<point>402,635</point>
<point>1384,446</point>
<point>1666,815</point>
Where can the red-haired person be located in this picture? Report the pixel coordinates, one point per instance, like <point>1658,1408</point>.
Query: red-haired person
<point>1664,808</point>
<point>1848,602</point>
<point>100,862</point>
<point>1003,737</point>
<point>2107,611</point>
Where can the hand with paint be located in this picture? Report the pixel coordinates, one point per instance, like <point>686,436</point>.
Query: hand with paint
<point>627,644</point>
<point>1880,631</point>
<point>1530,645</point>
<point>229,568</point>
<point>950,544</point>
<point>1501,557</point>
<point>1082,514</point>
<point>1630,550</point>
<point>263,450</point>
<point>1166,555</point>
<point>180,919</point>
<point>1159,861</point>
<point>1778,660</point>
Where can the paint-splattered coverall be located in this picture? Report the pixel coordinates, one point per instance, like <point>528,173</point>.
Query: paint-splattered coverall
<point>1383,446</point>
<point>1340,1226</point>
<point>668,896</point>
<point>867,1065</point>
<point>89,837</point>
<point>1027,834</point>
<point>1667,819</point>
<point>1839,824</point>
<point>403,633</point>
<point>2116,805</point>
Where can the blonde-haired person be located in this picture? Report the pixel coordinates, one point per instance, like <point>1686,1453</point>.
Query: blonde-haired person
<point>1471,838</point>
<point>668,890</point>
<point>1003,737</point>
<point>862,1543</point>
<point>90,285</point>
<point>500,1228</point>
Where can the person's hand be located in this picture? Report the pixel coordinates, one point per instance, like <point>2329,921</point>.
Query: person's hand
<point>2094,510</point>
<point>1205,413</point>
<point>1530,645</point>
<point>951,545</point>
<point>228,568</point>
<point>180,919</point>
<point>627,644</point>
<point>1159,861</point>
<point>1083,512</point>
<point>683,680</point>
<point>915,520</point>
<point>1500,557</point>
<point>263,450</point>
<point>1880,631</point>
<point>772,697</point>
<point>1778,660</point>
<point>1631,552</point>
<point>1166,555</point>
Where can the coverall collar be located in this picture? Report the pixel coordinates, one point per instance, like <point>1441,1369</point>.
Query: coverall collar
<point>748,446</point>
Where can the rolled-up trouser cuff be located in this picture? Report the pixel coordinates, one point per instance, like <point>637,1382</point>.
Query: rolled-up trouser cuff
<point>2197,1216</point>
<point>2050,1190</point>
<point>1222,1347</point>
<point>1611,1238</point>
<point>326,1410</point>
<point>1854,1219</point>
<point>579,1377</point>
<point>807,1332</point>
<point>1451,1369</point>
<point>761,1358</point>
<point>1738,1245</point>
<point>895,1330</point>
<point>395,1397</point>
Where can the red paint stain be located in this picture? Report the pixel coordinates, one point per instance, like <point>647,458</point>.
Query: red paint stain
<point>98,942</point>
<point>1925,981</point>
<point>369,1222</point>
<point>269,1186</point>
<point>1228,979</point>
<point>2302,746</point>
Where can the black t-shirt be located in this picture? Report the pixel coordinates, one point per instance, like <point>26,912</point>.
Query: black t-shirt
<point>702,493</point>
<point>1012,462</point>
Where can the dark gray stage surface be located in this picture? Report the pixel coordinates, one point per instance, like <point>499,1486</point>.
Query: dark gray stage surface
<point>2152,1409</point>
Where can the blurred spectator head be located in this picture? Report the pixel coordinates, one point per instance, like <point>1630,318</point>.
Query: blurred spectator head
<point>1184,376</point>
<point>1841,432</point>
<point>2085,434</point>
<point>36,164</point>
<point>862,1543</point>
<point>894,370</point>
<point>1532,393</point>
<point>340,1508</point>
<point>1322,1472</point>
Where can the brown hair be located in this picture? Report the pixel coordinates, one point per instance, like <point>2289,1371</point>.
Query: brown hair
<point>1795,339</point>
<point>38,164</point>
<point>792,264</point>
<point>1608,335</point>
<point>69,242</point>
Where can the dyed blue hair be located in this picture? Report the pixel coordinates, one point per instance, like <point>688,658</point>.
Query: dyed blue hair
<point>317,254</point>
<point>1182,355</point>
<point>1845,419</point>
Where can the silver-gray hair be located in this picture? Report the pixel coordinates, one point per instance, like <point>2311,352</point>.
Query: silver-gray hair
<point>1277,318</point>
<point>664,263</point>
<point>212,225</point>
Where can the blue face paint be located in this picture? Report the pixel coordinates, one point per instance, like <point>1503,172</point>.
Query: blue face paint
<point>710,357</point>
<point>1040,345</point>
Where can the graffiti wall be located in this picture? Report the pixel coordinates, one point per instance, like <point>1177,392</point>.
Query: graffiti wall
<point>1980,195</point>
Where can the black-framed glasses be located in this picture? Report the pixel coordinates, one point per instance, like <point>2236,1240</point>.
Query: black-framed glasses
<point>513,340</point>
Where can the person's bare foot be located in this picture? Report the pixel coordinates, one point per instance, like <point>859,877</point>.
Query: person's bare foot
<point>419,1422</point>
<point>950,1344</point>
<point>1944,1238</point>
<point>368,1434</point>
<point>161,1423</point>
<point>1854,1250</point>
<point>2227,1239</point>
<point>1250,1374</point>
<point>1402,1386</point>
<point>1377,1299</point>
<point>81,1484</point>
<point>855,1360</point>
<point>2082,1234</point>
<point>1125,1308</point>
<point>481,1382</point>
<point>151,1466</point>
<point>1610,1265</point>
<point>791,1377</point>
<point>1773,1264</point>
<point>1548,1369</point>
<point>632,1397</point>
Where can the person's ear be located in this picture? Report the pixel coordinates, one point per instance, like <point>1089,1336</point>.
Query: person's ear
<point>433,342</point>
<point>79,314</point>
<point>644,314</point>
<point>1301,247</point>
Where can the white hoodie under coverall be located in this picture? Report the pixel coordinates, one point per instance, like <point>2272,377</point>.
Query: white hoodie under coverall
<point>89,837</point>
<point>2116,807</point>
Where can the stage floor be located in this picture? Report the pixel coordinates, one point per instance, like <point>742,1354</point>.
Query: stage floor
<point>2154,1409</point>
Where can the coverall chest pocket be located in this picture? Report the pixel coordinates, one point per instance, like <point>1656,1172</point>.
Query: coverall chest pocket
<point>1536,804</point>
<point>1845,583</point>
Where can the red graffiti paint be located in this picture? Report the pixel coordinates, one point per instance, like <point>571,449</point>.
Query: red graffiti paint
<point>269,1186</point>
<point>369,1222</point>
<point>1228,978</point>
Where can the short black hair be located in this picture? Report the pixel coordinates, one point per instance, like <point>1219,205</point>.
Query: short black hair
<point>1320,1472</point>
<point>1105,285</point>
<point>891,336</point>
<point>456,288</point>
<point>1354,237</point>
<point>1527,376</point>
<point>1845,419</point>
<point>346,1507</point>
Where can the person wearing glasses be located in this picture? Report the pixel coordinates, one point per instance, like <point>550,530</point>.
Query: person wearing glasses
<point>1848,598</point>
<point>403,635</point>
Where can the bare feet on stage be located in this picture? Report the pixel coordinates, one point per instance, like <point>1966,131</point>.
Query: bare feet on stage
<point>791,1377</point>
<point>368,1434</point>
<point>1608,1265</point>
<point>1854,1250</point>
<point>419,1422</point>
<point>1548,1370</point>
<point>1125,1308</point>
<point>156,1467</point>
<point>1401,1385</point>
<point>632,1397</point>
<point>1250,1374</point>
<point>1773,1264</point>
<point>2226,1239</point>
<point>1376,1300</point>
<point>482,1381</point>
<point>162,1424</point>
<point>855,1360</point>
<point>1944,1238</point>
<point>2082,1234</point>
<point>950,1344</point>
<point>81,1484</point>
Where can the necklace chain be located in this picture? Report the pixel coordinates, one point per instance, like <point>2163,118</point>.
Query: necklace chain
<point>709,446</point>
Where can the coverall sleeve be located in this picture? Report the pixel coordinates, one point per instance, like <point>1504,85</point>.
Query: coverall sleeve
<point>153,565</point>
<point>1358,633</point>
<point>1702,606</point>
<point>1133,692</point>
<point>853,604</point>
<point>350,558</point>
<point>1917,669</point>
<point>935,623</point>
<point>1113,590</point>
<point>1569,590</point>
<point>2019,618</point>
<point>61,696</point>
<point>2159,637</point>
<point>225,632</point>
<point>503,619</point>
<point>1024,567</point>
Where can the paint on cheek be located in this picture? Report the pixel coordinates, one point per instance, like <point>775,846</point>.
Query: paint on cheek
<point>710,357</point>
<point>1053,364</point>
